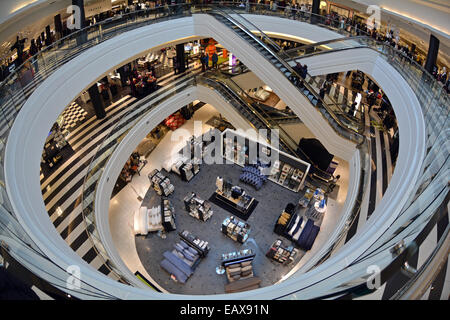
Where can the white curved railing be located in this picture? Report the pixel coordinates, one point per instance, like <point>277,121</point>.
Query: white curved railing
<point>435,109</point>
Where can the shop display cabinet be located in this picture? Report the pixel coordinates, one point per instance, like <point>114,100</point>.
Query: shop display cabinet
<point>237,257</point>
<point>168,215</point>
<point>197,208</point>
<point>200,245</point>
<point>160,183</point>
<point>281,254</point>
<point>236,229</point>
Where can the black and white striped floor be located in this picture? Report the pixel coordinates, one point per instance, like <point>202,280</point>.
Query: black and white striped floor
<point>340,93</point>
<point>62,189</point>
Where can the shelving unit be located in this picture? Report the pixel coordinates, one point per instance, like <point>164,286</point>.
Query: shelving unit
<point>168,215</point>
<point>160,183</point>
<point>288,176</point>
<point>236,229</point>
<point>198,208</point>
<point>237,257</point>
<point>281,254</point>
<point>200,245</point>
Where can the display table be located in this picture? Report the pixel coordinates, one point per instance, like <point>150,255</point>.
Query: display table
<point>280,253</point>
<point>236,229</point>
<point>198,208</point>
<point>240,205</point>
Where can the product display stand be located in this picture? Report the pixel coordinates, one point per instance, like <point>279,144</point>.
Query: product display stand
<point>168,215</point>
<point>304,201</point>
<point>236,229</point>
<point>198,208</point>
<point>239,271</point>
<point>237,257</point>
<point>200,245</point>
<point>287,171</point>
<point>236,198</point>
<point>286,175</point>
<point>284,219</point>
<point>160,183</point>
<point>281,254</point>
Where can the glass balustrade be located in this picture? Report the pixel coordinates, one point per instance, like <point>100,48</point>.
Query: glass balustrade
<point>421,210</point>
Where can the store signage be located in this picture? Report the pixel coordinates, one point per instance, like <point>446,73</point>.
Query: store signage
<point>93,7</point>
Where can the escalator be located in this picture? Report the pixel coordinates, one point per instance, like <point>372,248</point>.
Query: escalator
<point>269,50</point>
<point>259,119</point>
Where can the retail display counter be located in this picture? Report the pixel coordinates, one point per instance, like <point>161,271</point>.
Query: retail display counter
<point>236,229</point>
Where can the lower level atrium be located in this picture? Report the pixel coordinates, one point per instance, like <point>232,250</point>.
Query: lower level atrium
<point>145,253</point>
<point>290,213</point>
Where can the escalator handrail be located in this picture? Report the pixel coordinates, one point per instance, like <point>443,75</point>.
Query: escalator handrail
<point>272,43</point>
<point>292,71</point>
<point>319,172</point>
<point>322,43</point>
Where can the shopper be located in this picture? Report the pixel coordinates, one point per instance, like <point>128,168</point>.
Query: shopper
<point>215,59</point>
<point>207,61</point>
<point>202,61</point>
<point>333,183</point>
<point>352,109</point>
<point>323,89</point>
<point>304,71</point>
<point>371,99</point>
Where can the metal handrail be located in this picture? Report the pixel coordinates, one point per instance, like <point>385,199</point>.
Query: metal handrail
<point>428,74</point>
<point>321,102</point>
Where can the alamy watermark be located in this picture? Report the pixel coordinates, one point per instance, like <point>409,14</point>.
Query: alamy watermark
<point>232,146</point>
<point>73,282</point>
<point>374,280</point>
<point>74,20</point>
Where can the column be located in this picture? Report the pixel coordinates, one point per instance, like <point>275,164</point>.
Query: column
<point>97,102</point>
<point>433,49</point>
<point>82,38</point>
<point>58,26</point>
<point>180,58</point>
<point>315,10</point>
<point>48,36</point>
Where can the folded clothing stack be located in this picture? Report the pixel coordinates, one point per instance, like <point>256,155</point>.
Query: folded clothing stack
<point>308,236</point>
<point>238,271</point>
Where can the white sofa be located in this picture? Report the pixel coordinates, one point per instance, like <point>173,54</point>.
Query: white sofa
<point>147,220</point>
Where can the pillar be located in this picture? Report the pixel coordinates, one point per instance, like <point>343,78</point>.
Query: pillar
<point>58,26</point>
<point>82,38</point>
<point>315,10</point>
<point>48,36</point>
<point>433,49</point>
<point>180,58</point>
<point>97,102</point>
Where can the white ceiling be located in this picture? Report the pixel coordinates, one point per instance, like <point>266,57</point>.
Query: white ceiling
<point>417,19</point>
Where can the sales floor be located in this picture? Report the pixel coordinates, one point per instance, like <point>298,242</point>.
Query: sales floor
<point>272,200</point>
<point>145,255</point>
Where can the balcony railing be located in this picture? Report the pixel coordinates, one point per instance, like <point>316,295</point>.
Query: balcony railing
<point>413,224</point>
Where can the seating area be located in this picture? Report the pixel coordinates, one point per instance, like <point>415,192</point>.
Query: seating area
<point>251,174</point>
<point>181,262</point>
